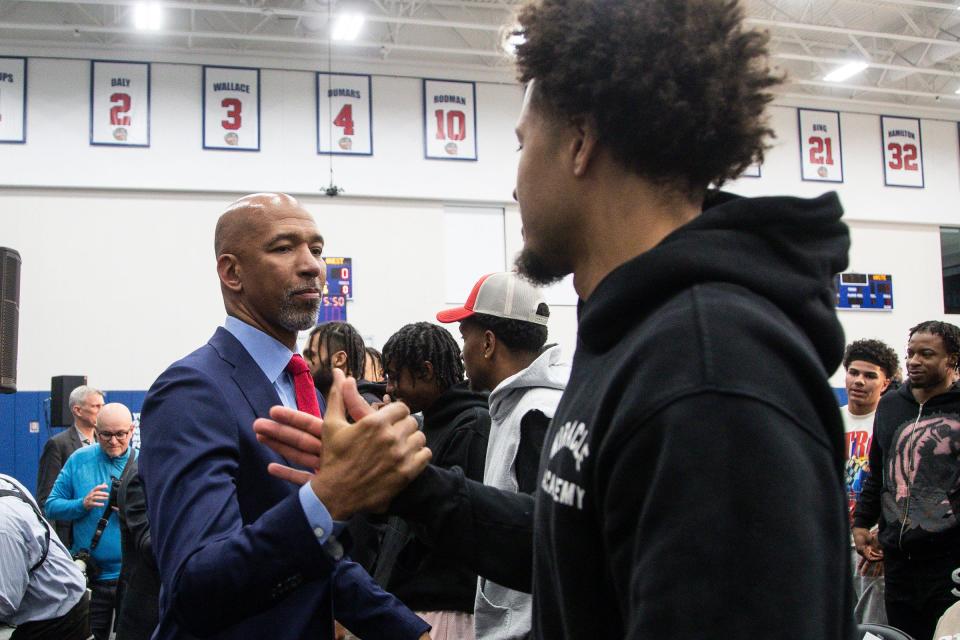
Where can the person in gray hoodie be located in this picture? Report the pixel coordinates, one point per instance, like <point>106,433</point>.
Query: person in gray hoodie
<point>504,330</point>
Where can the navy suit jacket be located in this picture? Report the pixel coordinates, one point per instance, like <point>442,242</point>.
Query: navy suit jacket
<point>237,557</point>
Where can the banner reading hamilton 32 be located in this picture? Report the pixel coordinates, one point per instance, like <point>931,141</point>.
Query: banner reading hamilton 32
<point>902,152</point>
<point>13,99</point>
<point>449,120</point>
<point>120,103</point>
<point>231,108</point>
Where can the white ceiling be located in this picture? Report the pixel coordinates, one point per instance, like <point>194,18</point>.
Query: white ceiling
<point>912,46</point>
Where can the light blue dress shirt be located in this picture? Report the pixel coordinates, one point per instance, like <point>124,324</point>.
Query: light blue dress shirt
<point>272,358</point>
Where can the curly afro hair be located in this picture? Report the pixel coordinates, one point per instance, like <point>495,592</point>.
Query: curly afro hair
<point>675,88</point>
<point>874,352</point>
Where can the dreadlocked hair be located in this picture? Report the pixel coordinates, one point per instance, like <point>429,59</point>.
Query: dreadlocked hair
<point>874,352</point>
<point>949,332</point>
<point>421,342</point>
<point>515,334</point>
<point>377,358</point>
<point>341,336</point>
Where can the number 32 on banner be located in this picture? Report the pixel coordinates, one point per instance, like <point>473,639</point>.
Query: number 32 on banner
<point>903,157</point>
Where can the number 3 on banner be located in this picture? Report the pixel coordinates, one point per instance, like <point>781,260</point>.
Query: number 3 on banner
<point>904,157</point>
<point>121,105</point>
<point>233,107</point>
<point>456,125</point>
<point>344,120</point>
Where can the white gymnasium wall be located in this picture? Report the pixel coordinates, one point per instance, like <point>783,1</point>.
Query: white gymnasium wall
<point>118,275</point>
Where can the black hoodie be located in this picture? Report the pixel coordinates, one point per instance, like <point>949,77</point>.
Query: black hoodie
<point>691,484</point>
<point>913,470</point>
<point>456,425</point>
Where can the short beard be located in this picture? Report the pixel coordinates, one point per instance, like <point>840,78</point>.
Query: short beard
<point>538,269</point>
<point>323,378</point>
<point>297,316</point>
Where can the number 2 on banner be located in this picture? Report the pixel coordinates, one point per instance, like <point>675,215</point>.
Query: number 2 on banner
<point>344,120</point>
<point>821,150</point>
<point>121,105</point>
<point>233,107</point>
<point>456,123</point>
<point>904,157</point>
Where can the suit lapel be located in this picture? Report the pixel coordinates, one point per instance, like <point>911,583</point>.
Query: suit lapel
<point>248,375</point>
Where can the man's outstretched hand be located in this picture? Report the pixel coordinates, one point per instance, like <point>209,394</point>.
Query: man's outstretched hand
<point>357,467</point>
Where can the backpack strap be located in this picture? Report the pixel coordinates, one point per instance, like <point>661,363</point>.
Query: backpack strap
<point>16,493</point>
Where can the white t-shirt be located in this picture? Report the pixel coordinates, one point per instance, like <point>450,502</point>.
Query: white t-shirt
<point>858,433</point>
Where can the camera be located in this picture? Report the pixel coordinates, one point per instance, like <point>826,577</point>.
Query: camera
<point>87,565</point>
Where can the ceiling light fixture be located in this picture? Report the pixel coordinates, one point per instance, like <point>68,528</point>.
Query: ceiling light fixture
<point>347,26</point>
<point>846,71</point>
<point>148,16</point>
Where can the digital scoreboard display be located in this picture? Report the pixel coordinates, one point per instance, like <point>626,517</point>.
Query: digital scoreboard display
<point>865,292</point>
<point>336,291</point>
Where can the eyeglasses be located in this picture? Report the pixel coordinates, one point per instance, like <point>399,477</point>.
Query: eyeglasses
<point>119,435</point>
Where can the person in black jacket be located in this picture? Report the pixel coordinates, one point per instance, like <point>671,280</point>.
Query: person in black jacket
<point>138,591</point>
<point>691,483</point>
<point>424,370</point>
<point>913,489</point>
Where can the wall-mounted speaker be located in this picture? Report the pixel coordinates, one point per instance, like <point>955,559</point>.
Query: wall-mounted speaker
<point>60,388</point>
<point>9,318</point>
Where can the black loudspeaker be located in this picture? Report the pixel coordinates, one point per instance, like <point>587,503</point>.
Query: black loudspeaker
<point>60,388</point>
<point>9,318</point>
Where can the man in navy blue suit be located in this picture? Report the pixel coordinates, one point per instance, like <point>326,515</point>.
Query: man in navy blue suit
<point>243,554</point>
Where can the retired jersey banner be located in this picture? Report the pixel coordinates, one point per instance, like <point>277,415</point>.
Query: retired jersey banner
<point>821,148</point>
<point>120,103</point>
<point>13,100</point>
<point>449,120</point>
<point>344,119</point>
<point>231,108</point>
<point>902,152</point>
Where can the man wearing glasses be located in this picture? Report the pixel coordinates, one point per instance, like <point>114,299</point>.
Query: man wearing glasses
<point>81,494</point>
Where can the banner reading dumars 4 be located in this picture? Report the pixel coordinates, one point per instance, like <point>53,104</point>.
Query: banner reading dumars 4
<point>13,100</point>
<point>902,152</point>
<point>231,108</point>
<point>120,103</point>
<point>449,120</point>
<point>821,146</point>
<point>344,121</point>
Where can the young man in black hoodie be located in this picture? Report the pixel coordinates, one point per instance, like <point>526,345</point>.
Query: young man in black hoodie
<point>691,482</point>
<point>913,489</point>
<point>424,370</point>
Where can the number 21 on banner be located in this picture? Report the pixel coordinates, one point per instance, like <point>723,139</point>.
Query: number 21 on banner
<point>821,153</point>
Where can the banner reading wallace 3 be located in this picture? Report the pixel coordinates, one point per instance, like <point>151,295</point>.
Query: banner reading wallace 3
<point>231,108</point>
<point>120,103</point>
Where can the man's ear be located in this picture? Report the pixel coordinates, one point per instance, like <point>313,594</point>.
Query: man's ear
<point>228,268</point>
<point>339,360</point>
<point>489,344</point>
<point>427,375</point>
<point>583,145</point>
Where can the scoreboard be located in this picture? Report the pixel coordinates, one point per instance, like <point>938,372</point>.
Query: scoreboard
<point>336,291</point>
<point>869,292</point>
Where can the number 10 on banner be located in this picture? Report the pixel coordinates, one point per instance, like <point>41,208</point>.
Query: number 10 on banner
<point>344,114</point>
<point>450,120</point>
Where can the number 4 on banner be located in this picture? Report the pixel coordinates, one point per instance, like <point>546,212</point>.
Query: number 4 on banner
<point>344,120</point>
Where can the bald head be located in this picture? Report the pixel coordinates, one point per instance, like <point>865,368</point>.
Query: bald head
<point>243,219</point>
<point>114,417</point>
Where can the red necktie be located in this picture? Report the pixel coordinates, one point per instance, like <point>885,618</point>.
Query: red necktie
<point>303,385</point>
